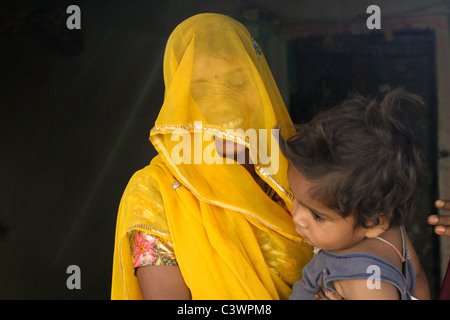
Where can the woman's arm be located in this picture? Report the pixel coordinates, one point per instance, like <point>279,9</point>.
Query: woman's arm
<point>162,283</point>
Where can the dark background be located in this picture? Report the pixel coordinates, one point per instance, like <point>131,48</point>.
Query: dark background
<point>76,108</point>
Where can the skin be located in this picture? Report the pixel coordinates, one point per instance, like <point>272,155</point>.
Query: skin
<point>162,283</point>
<point>324,228</point>
<point>441,222</point>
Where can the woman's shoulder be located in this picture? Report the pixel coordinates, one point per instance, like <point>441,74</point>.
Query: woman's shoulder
<point>143,176</point>
<point>142,196</point>
<point>149,179</point>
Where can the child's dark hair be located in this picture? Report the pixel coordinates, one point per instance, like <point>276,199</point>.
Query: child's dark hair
<point>362,157</point>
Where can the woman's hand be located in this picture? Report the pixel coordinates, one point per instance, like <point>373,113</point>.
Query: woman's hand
<point>442,222</point>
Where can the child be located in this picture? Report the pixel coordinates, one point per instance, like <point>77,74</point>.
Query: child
<point>354,171</point>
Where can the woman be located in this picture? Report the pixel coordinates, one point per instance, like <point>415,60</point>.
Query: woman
<point>195,223</point>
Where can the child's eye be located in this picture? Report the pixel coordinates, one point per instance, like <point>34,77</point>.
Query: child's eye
<point>316,216</point>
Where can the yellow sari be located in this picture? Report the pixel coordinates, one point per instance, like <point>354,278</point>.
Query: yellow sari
<point>231,241</point>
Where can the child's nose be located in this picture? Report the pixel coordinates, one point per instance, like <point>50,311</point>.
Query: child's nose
<point>299,216</point>
<point>302,223</point>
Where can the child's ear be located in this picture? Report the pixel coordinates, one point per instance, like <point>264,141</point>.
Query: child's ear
<point>377,229</point>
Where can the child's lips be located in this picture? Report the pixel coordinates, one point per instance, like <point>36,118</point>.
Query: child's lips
<point>302,234</point>
<point>306,239</point>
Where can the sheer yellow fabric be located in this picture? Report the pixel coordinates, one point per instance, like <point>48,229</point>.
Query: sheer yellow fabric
<point>231,240</point>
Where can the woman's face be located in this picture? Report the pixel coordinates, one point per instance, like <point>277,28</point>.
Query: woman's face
<point>222,91</point>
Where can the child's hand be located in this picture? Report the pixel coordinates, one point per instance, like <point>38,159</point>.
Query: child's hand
<point>442,222</point>
<point>328,295</point>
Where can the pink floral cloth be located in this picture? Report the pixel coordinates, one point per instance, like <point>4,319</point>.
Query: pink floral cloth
<point>150,250</point>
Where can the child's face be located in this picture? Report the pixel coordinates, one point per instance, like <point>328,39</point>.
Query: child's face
<point>319,225</point>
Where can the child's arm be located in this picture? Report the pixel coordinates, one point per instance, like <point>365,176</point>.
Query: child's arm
<point>422,289</point>
<point>359,290</point>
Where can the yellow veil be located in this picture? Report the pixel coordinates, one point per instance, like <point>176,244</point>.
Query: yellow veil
<point>231,241</point>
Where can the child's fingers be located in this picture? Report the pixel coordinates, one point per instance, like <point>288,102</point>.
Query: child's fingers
<point>333,296</point>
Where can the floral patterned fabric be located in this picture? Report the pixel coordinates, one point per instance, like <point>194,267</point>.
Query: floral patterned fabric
<point>149,250</point>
